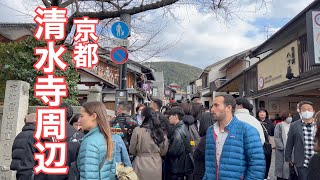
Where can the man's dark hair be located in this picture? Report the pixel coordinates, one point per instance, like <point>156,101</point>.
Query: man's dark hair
<point>177,111</point>
<point>229,100</point>
<point>187,108</point>
<point>174,104</point>
<point>125,106</point>
<point>158,103</point>
<point>305,102</point>
<point>74,119</point>
<point>69,110</point>
<point>244,102</point>
<point>197,109</point>
<point>250,108</point>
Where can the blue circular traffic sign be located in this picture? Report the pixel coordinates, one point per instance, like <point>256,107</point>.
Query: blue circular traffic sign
<point>120,30</point>
<point>119,55</point>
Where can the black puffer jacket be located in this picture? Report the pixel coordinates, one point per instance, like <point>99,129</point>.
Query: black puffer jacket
<point>73,145</point>
<point>22,153</point>
<point>199,159</point>
<point>177,154</point>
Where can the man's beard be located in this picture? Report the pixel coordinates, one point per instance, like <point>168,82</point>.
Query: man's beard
<point>221,117</point>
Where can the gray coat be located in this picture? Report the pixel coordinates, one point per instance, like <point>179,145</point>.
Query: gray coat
<point>280,139</point>
<point>295,143</point>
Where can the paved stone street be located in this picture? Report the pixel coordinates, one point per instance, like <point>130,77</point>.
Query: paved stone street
<point>271,171</point>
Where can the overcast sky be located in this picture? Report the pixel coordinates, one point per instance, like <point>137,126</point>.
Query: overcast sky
<point>203,39</point>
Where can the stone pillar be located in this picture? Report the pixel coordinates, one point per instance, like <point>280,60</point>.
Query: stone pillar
<point>14,111</point>
<point>95,94</point>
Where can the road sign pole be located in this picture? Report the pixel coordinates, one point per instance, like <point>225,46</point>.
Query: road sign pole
<point>123,70</point>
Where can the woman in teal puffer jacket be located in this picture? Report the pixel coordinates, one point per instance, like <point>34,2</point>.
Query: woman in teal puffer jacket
<point>95,159</point>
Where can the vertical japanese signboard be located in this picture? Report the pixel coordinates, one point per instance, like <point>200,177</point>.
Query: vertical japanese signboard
<point>50,131</point>
<point>313,37</point>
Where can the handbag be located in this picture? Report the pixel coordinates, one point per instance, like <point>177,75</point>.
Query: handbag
<point>125,173</point>
<point>267,148</point>
<point>293,173</point>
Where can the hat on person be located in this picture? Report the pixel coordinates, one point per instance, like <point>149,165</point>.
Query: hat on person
<point>31,118</point>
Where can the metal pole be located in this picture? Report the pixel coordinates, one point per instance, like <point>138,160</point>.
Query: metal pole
<point>123,69</point>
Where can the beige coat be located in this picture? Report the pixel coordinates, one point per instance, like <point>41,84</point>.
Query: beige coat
<point>147,163</point>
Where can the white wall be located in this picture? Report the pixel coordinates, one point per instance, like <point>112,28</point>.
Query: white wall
<point>214,73</point>
<point>284,103</point>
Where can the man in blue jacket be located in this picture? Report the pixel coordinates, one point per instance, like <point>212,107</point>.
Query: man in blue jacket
<point>233,147</point>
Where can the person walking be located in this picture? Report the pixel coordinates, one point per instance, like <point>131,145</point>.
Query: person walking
<point>156,105</point>
<point>314,165</point>
<point>178,165</point>
<point>205,121</point>
<point>148,144</point>
<point>23,150</point>
<point>138,116</point>
<point>123,124</point>
<point>74,122</point>
<point>243,114</point>
<point>121,154</point>
<point>96,159</point>
<point>281,130</point>
<point>268,127</point>
<point>300,140</point>
<point>233,147</point>
<point>190,122</point>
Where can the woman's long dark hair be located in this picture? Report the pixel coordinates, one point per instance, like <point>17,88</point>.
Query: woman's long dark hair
<point>152,123</point>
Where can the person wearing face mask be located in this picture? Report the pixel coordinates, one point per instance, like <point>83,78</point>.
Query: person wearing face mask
<point>280,137</point>
<point>301,140</point>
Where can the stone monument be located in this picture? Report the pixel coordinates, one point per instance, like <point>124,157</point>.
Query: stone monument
<point>14,111</point>
<point>95,94</point>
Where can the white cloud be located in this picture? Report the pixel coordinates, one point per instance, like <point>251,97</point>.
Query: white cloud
<point>204,39</point>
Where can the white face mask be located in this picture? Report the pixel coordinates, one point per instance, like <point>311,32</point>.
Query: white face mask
<point>139,112</point>
<point>289,119</point>
<point>307,115</point>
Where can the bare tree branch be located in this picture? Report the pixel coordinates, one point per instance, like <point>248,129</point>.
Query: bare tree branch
<point>113,14</point>
<point>77,6</point>
<point>132,11</point>
<point>66,3</point>
<point>46,3</point>
<point>55,2</point>
<point>113,4</point>
<point>127,4</point>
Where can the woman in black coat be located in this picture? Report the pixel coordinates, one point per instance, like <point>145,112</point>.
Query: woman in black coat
<point>263,117</point>
<point>206,120</point>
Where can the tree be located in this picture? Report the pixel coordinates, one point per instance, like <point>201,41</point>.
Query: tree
<point>108,10</point>
<point>17,62</point>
